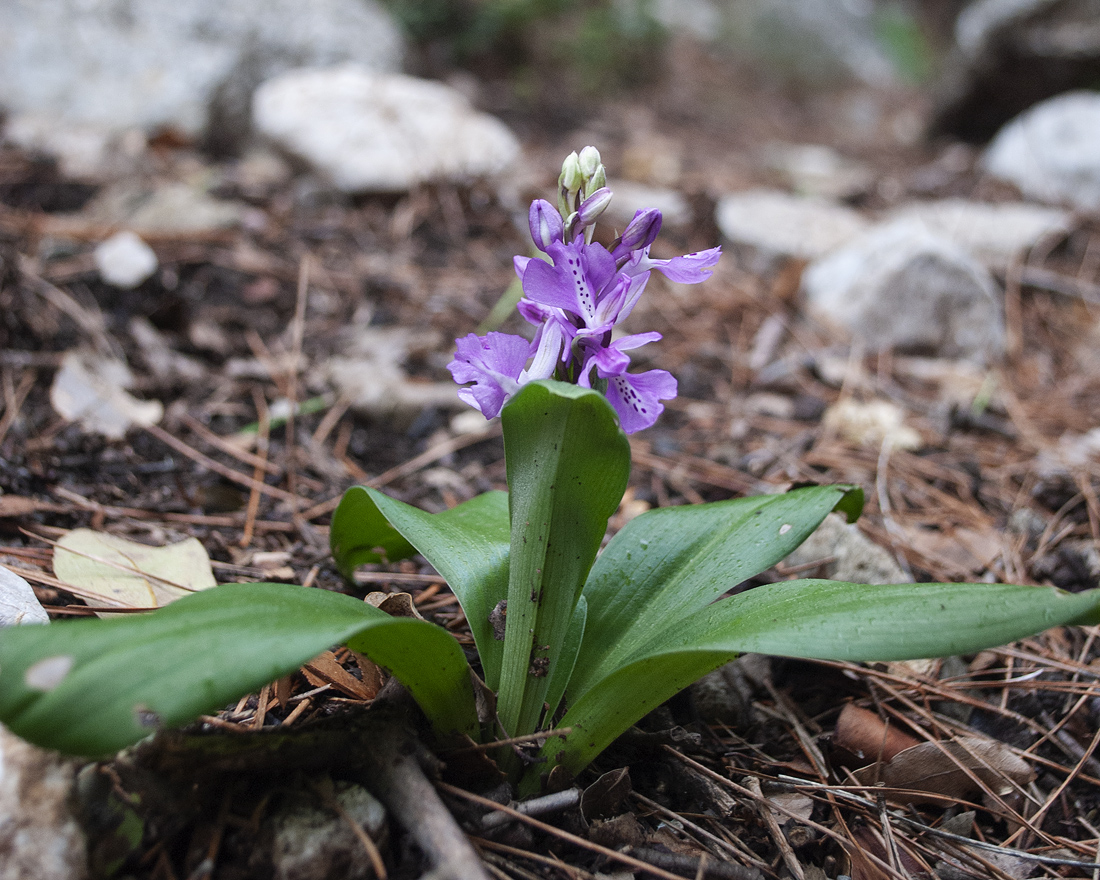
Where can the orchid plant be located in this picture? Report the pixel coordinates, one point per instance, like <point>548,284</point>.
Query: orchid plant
<point>570,639</point>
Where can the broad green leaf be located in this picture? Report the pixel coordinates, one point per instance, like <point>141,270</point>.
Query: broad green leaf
<point>568,465</point>
<point>108,571</point>
<point>668,563</point>
<point>814,619</point>
<point>468,545</point>
<point>361,534</point>
<point>92,687</point>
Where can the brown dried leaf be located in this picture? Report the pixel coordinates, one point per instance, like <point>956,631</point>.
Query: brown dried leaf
<point>395,604</point>
<point>864,734</point>
<point>938,768</point>
<point>325,669</point>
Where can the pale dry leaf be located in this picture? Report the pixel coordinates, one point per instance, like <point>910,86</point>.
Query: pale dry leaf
<point>108,571</point>
<point>91,389</point>
<point>941,769</point>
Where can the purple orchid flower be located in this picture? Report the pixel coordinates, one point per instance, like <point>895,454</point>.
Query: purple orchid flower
<point>575,302</point>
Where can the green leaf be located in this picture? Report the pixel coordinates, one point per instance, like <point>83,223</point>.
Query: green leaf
<point>361,534</point>
<point>814,619</point>
<point>668,563</point>
<point>567,659</point>
<point>92,687</point>
<point>568,465</point>
<point>468,545</point>
<point>842,621</point>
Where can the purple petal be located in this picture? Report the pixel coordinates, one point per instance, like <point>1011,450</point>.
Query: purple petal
<point>635,340</point>
<point>609,362</point>
<point>494,364</point>
<point>635,397</point>
<point>546,224</point>
<point>639,233</point>
<point>573,283</point>
<point>688,269</point>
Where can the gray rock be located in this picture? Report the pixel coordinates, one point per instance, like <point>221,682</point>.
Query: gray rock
<point>900,286</point>
<point>806,40</point>
<point>312,842</point>
<point>1049,152</point>
<point>817,170</point>
<point>84,151</point>
<point>39,835</point>
<point>122,64</point>
<point>779,224</point>
<point>370,132</point>
<point>1011,54</point>
<point>994,233</point>
<point>846,554</point>
<point>18,604</point>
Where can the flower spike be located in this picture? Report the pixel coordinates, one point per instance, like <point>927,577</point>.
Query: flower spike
<point>575,300</point>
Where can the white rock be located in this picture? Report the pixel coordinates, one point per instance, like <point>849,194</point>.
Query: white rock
<point>84,151</point>
<point>853,557</point>
<point>372,132</point>
<point>994,233</point>
<point>871,423</point>
<point>817,170</point>
<point>122,64</point>
<point>632,197</point>
<point>779,224</point>
<point>39,837</point>
<point>124,260</point>
<point>809,40</point>
<point>1050,151</point>
<point>18,604</point>
<point>900,286</point>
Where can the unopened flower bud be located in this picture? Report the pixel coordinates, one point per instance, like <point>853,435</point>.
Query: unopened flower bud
<point>599,179</point>
<point>590,163</point>
<point>546,224</point>
<point>593,206</point>
<point>572,178</point>
<point>642,230</point>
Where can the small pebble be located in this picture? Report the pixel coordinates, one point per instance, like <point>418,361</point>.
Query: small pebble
<point>124,260</point>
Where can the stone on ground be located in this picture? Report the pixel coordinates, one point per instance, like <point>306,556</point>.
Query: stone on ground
<point>124,260</point>
<point>369,132</point>
<point>1050,151</point>
<point>996,234</point>
<point>191,67</point>
<point>778,224</point>
<point>899,286</point>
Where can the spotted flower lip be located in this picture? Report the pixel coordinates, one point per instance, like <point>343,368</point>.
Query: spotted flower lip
<point>576,297</point>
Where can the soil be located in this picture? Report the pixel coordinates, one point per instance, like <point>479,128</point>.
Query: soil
<point>992,492</point>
